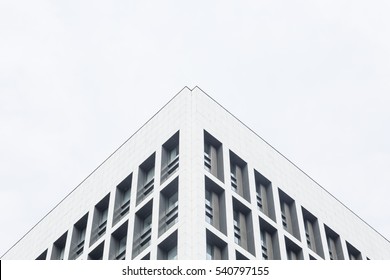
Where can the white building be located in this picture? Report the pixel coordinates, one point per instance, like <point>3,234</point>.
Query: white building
<point>196,183</point>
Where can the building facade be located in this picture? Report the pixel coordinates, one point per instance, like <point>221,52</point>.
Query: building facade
<point>196,183</point>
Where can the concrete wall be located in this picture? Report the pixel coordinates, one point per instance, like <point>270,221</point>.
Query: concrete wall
<point>192,112</point>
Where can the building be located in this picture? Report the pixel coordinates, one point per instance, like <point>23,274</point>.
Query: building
<point>196,183</point>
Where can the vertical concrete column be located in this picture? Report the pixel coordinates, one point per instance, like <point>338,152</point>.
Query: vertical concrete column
<point>324,240</point>
<point>88,231</point>
<point>68,243</point>
<point>191,232</point>
<point>130,229</point>
<point>255,216</point>
<point>229,203</point>
<point>156,204</point>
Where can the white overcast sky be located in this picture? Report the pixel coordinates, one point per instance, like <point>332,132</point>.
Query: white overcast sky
<point>77,78</point>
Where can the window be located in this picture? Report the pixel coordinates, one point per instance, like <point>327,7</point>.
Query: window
<point>312,232</point>
<point>243,226</point>
<point>122,199</point>
<point>294,252</point>
<point>215,205</point>
<point>99,222</point>
<point>289,214</point>
<point>170,157</point>
<point>78,238</point>
<point>216,248</point>
<point>169,207</point>
<point>264,196</point>
<point>334,244</point>
<point>59,248</point>
<point>146,178</point>
<point>239,176</point>
<point>167,249</point>
<point>353,253</point>
<point>209,208</point>
<point>213,157</point>
<point>143,228</point>
<point>269,241</point>
<point>97,253</point>
<point>119,243</point>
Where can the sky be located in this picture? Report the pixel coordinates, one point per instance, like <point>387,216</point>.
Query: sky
<point>77,78</point>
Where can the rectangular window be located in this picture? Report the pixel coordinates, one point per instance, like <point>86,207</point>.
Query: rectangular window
<point>59,248</point>
<point>216,248</point>
<point>269,241</point>
<point>215,205</point>
<point>264,195</point>
<point>170,157</point>
<point>97,253</point>
<point>167,249</point>
<point>143,228</point>
<point>239,176</point>
<point>243,226</point>
<point>169,206</point>
<point>294,252</point>
<point>289,214</point>
<point>146,178</point>
<point>122,199</point>
<point>213,157</point>
<point>99,221</point>
<point>334,244</point>
<point>353,253</point>
<point>312,232</point>
<point>78,238</point>
<point>119,243</point>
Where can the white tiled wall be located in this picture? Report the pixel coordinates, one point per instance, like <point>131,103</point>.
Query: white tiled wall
<point>191,112</point>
